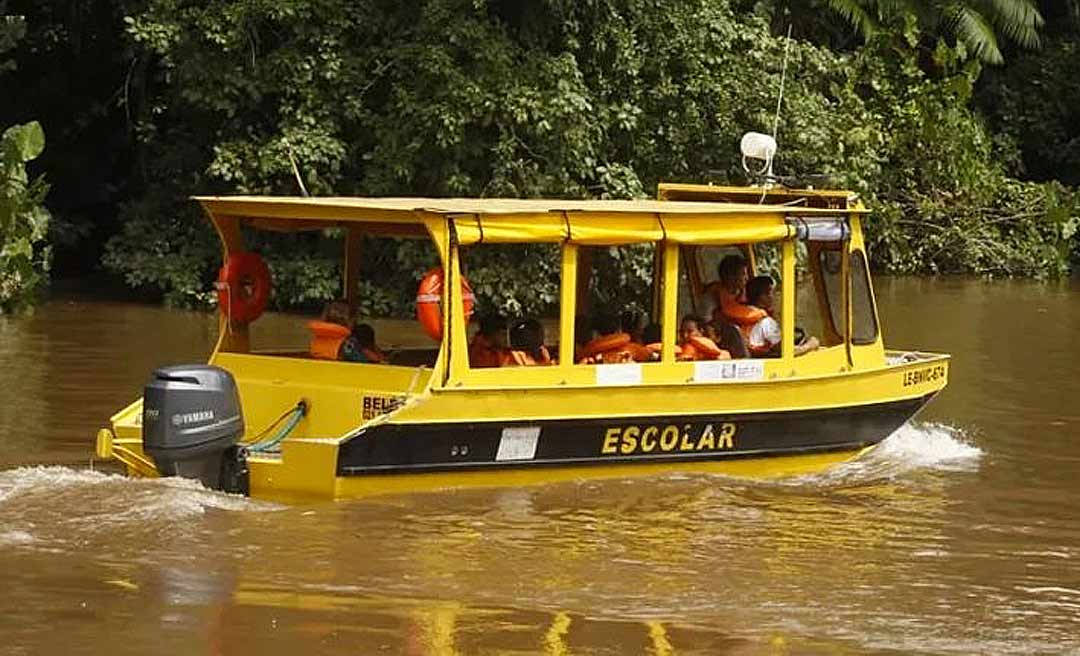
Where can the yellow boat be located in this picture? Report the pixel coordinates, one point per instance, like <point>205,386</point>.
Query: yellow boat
<point>305,426</point>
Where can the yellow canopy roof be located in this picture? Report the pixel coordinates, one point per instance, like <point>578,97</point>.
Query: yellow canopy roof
<point>607,222</point>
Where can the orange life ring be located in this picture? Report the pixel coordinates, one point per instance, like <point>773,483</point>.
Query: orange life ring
<point>243,287</point>
<point>429,302</point>
<point>604,344</point>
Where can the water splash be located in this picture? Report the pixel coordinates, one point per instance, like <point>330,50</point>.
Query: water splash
<point>911,448</point>
<point>78,504</point>
<point>928,446</point>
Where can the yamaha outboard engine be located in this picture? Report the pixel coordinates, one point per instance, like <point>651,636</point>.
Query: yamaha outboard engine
<point>192,425</point>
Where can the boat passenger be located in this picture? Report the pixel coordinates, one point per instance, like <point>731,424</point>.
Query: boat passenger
<point>363,339</point>
<point>694,345</point>
<point>765,337</point>
<point>728,337</point>
<point>632,324</point>
<point>610,346</point>
<point>583,334</point>
<point>331,332</point>
<point>488,347</point>
<point>730,295</point>
<point>527,345</point>
<point>652,337</point>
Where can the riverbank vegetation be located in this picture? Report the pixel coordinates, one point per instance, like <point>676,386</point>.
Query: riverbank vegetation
<point>969,163</point>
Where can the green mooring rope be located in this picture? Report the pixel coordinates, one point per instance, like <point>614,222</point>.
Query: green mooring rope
<point>271,444</point>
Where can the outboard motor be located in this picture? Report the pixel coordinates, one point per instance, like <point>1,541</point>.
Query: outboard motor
<point>192,425</point>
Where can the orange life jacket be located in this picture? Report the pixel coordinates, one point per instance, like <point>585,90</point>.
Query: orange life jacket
<point>609,349</point>
<point>326,339</point>
<point>483,354</point>
<point>657,347</point>
<point>700,347</point>
<point>739,313</point>
<point>639,352</point>
<point>526,359</point>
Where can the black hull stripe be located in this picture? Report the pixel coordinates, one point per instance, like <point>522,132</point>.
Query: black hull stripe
<point>403,448</point>
<point>613,460</point>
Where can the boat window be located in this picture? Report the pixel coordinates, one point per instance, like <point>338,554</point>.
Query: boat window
<point>831,262</point>
<point>730,330</point>
<point>615,302</point>
<point>313,276</point>
<point>864,329</point>
<point>706,261</point>
<point>810,317</point>
<point>515,319</point>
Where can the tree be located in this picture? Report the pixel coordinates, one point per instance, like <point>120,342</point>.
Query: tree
<point>24,222</point>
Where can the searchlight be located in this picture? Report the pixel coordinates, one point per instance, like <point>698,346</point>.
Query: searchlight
<point>759,147</point>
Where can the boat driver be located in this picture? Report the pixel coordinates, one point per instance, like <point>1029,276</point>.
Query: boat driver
<point>765,337</point>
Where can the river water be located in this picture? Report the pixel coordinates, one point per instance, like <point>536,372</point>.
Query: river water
<point>961,534</point>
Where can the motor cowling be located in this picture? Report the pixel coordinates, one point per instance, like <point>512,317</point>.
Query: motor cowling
<point>192,425</point>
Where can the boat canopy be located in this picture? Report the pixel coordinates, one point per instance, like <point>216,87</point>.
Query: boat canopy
<point>589,222</point>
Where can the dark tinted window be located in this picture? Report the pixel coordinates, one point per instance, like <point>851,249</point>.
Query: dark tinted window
<point>864,327</point>
<point>831,267</point>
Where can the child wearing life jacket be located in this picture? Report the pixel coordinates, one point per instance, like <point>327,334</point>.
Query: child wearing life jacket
<point>610,346</point>
<point>363,348</point>
<point>527,345</point>
<point>330,332</point>
<point>694,345</point>
<point>488,347</point>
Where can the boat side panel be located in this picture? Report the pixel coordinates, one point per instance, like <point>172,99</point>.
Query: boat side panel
<point>391,448</point>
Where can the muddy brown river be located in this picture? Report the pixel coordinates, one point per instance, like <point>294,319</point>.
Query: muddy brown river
<point>959,535</point>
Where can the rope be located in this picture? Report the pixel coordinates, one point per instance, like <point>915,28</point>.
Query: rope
<point>271,444</point>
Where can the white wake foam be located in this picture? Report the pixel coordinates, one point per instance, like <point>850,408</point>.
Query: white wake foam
<point>913,447</point>
<point>74,495</point>
<point>928,446</point>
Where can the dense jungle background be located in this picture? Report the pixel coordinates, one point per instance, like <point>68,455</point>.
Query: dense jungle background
<point>959,122</point>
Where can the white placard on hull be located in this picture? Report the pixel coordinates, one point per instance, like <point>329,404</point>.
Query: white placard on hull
<point>618,374</point>
<point>720,371</point>
<point>518,443</point>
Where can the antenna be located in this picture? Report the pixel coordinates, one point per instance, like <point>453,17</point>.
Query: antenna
<point>783,75</point>
<point>295,169</point>
<point>758,146</point>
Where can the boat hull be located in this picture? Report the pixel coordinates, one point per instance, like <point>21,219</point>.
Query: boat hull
<point>757,444</point>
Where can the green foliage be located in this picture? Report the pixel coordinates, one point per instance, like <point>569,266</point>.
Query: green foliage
<point>942,199</point>
<point>1035,103</point>
<point>974,25</point>
<point>24,222</point>
<point>12,29</point>
<point>453,97</point>
<point>566,99</point>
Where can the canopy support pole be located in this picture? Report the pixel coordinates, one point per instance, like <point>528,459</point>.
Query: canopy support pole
<point>567,305</point>
<point>669,321</point>
<point>787,305</point>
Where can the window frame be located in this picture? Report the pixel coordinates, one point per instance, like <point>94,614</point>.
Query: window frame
<point>857,255</point>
